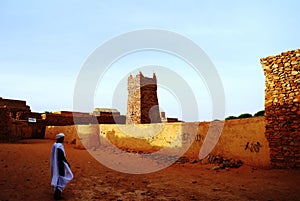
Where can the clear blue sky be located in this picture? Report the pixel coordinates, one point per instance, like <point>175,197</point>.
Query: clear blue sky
<point>43,44</point>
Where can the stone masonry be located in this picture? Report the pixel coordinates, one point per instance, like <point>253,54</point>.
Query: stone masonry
<point>15,106</point>
<point>282,108</point>
<point>142,106</point>
<point>14,121</point>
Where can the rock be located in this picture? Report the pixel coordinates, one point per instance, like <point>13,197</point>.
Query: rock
<point>294,62</point>
<point>183,159</point>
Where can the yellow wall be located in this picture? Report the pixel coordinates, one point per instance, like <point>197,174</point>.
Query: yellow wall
<point>178,138</point>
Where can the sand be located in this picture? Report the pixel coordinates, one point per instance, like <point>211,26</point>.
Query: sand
<point>25,175</point>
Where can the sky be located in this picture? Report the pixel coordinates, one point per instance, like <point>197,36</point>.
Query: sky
<point>44,45</point>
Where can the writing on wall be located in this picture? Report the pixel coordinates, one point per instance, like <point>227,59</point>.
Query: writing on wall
<point>253,147</point>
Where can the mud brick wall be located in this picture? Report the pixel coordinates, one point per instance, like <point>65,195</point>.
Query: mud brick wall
<point>116,119</point>
<point>61,120</point>
<point>142,106</point>
<point>98,113</point>
<point>26,115</point>
<point>282,108</point>
<point>14,106</point>
<point>5,124</point>
<point>14,103</point>
<point>12,130</point>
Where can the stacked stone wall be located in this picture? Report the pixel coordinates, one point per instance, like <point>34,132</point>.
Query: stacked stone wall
<point>134,100</point>
<point>142,106</point>
<point>149,101</point>
<point>149,104</point>
<point>282,108</point>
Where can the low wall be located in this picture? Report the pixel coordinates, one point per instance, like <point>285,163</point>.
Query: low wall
<point>242,139</point>
<point>60,120</point>
<point>69,131</point>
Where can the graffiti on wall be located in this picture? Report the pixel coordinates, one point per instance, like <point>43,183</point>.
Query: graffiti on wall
<point>253,147</point>
<point>199,137</point>
<point>186,137</point>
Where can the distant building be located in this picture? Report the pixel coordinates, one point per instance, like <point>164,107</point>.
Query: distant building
<point>142,106</point>
<point>18,122</point>
<point>105,112</point>
<point>165,119</point>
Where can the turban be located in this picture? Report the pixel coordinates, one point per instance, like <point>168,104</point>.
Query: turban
<point>60,135</point>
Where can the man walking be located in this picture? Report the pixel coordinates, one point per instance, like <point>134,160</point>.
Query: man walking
<point>61,173</point>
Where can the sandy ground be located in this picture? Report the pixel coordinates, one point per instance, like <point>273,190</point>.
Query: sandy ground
<point>25,175</point>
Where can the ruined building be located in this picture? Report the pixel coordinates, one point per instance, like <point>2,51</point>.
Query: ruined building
<point>142,106</point>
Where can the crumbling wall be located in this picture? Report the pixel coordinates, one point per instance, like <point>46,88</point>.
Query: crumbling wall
<point>242,139</point>
<point>282,107</point>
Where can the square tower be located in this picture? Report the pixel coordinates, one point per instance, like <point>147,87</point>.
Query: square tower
<point>142,105</point>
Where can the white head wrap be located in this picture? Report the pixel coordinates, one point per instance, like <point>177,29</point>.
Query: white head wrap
<point>59,135</point>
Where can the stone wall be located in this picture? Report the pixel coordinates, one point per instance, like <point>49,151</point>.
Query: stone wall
<point>242,139</point>
<point>55,119</point>
<point>12,130</point>
<point>282,107</point>
<point>14,103</point>
<point>27,115</point>
<point>142,106</point>
<point>14,124</point>
<point>14,106</point>
<point>5,124</point>
<point>133,115</point>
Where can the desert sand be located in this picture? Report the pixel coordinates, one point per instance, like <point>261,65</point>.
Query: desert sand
<point>25,175</point>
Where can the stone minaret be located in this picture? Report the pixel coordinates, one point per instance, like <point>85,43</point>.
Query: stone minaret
<point>142,106</point>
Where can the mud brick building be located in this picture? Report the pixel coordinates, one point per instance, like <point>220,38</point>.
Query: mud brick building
<point>18,122</point>
<point>98,116</point>
<point>109,116</point>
